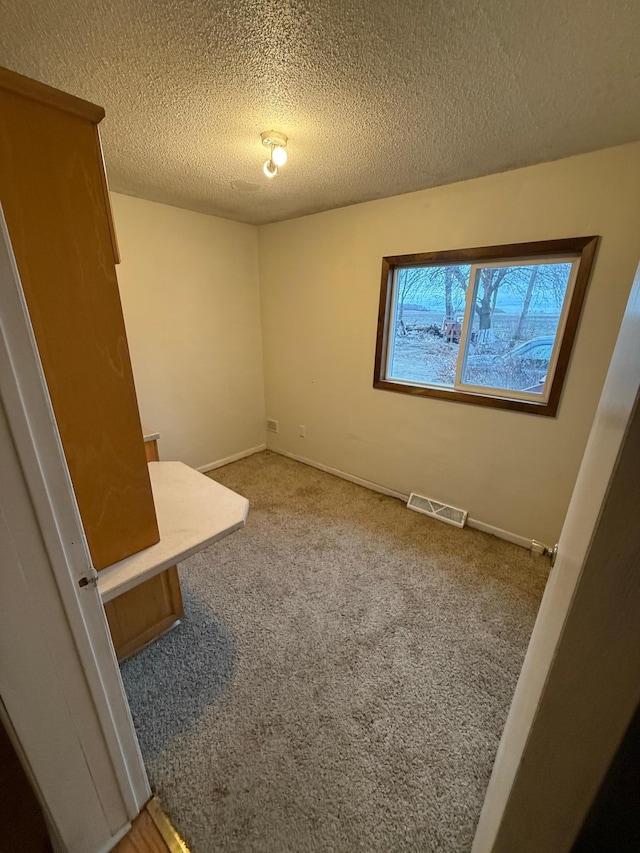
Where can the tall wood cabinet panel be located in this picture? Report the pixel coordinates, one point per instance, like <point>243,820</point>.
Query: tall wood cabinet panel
<point>53,192</point>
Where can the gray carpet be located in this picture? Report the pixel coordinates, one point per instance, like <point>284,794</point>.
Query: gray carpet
<point>342,675</point>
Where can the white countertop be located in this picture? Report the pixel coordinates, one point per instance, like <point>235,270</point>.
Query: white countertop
<point>193,512</point>
<point>150,436</point>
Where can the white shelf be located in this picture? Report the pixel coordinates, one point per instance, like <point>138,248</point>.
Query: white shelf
<point>193,512</point>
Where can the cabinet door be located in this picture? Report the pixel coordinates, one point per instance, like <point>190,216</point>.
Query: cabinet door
<point>143,613</point>
<point>53,192</point>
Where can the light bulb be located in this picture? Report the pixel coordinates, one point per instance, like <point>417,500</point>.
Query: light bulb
<point>279,155</point>
<point>270,169</point>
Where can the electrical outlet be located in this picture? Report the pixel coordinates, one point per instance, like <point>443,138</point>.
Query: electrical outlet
<point>272,425</point>
<point>302,431</point>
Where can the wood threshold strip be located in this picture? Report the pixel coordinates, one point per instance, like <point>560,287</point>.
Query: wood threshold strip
<point>169,834</point>
<point>151,832</point>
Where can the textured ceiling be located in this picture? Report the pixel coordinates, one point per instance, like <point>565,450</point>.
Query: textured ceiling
<point>378,97</point>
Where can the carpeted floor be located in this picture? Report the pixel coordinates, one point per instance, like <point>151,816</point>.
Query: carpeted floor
<point>342,676</point>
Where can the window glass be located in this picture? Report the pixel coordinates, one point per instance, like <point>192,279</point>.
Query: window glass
<point>516,313</point>
<point>428,314</point>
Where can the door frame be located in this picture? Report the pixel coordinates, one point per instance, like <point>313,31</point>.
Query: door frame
<point>72,637</point>
<point>65,662</point>
<point>580,683</point>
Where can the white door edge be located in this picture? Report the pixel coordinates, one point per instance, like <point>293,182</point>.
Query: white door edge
<point>568,604</point>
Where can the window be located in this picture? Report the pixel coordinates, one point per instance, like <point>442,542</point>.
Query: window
<point>492,326</point>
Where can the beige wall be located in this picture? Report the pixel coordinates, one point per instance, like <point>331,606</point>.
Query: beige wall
<point>189,287</point>
<point>320,280</point>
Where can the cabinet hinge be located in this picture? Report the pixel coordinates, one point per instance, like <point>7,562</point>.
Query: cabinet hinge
<point>89,580</point>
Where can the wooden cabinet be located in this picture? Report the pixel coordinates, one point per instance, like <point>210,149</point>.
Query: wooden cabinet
<point>53,192</point>
<point>54,196</point>
<point>140,615</point>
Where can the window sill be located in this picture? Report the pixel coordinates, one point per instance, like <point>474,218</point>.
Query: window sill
<point>548,409</point>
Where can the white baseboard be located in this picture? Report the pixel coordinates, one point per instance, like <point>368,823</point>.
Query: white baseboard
<point>376,487</point>
<point>515,538</point>
<point>522,541</point>
<point>233,458</point>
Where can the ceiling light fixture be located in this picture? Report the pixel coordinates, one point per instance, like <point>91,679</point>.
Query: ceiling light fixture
<point>277,142</point>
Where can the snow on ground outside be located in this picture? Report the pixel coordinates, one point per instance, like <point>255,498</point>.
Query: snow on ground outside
<point>419,356</point>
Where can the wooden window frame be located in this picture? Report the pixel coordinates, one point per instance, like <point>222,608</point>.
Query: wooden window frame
<point>581,248</point>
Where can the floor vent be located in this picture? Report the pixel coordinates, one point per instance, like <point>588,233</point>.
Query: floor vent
<point>450,514</point>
